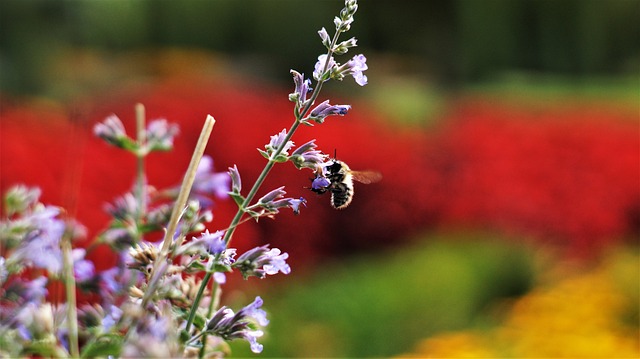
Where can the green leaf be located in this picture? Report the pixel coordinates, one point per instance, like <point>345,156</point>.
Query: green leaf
<point>107,344</point>
<point>221,268</point>
<point>44,347</point>
<point>281,158</point>
<point>264,154</point>
<point>128,144</point>
<point>195,267</point>
<point>237,197</point>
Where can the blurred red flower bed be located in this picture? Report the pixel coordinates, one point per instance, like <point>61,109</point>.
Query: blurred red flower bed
<point>567,176</point>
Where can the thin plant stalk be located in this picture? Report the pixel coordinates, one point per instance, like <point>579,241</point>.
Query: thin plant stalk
<point>70,291</point>
<point>216,294</point>
<point>140,173</point>
<point>180,203</point>
<point>258,183</point>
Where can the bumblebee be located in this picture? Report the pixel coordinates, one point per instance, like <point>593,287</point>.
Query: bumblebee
<point>338,178</point>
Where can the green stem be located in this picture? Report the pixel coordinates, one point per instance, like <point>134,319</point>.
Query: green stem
<point>256,186</point>
<point>70,291</point>
<point>236,220</point>
<point>216,293</point>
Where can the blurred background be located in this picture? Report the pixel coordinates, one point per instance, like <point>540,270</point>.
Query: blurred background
<point>507,133</point>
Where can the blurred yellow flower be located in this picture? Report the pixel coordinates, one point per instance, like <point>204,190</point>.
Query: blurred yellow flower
<point>591,314</point>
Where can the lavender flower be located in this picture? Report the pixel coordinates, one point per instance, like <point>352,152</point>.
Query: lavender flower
<point>124,208</point>
<point>292,203</point>
<point>306,156</point>
<point>154,337</point>
<point>322,69</point>
<point>269,204</point>
<point>324,36</point>
<point>41,246</point>
<point>116,280</point>
<point>229,325</point>
<point>112,318</point>
<point>112,131</point>
<point>320,184</point>
<point>276,142</point>
<point>83,269</point>
<point>236,182</point>
<point>320,112</point>
<point>262,261</point>
<point>302,89</point>
<point>160,135</point>
<point>205,244</point>
<point>355,67</point>
<point>273,195</point>
<point>208,182</point>
<point>33,291</point>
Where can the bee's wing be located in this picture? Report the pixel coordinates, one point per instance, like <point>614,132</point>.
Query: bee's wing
<point>366,177</point>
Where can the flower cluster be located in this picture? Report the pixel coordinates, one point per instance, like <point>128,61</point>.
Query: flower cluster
<point>159,135</point>
<point>229,325</point>
<point>158,299</point>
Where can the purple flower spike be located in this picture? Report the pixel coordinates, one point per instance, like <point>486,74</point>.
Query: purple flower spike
<point>229,325</point>
<point>262,261</point>
<point>236,182</point>
<point>270,197</point>
<point>111,130</point>
<point>320,112</point>
<point>302,89</point>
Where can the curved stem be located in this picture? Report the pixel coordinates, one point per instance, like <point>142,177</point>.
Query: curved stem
<point>256,186</point>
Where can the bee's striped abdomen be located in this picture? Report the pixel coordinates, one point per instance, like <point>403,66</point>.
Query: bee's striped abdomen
<point>342,193</point>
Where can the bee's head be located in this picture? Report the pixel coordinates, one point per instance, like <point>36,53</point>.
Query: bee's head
<point>336,166</point>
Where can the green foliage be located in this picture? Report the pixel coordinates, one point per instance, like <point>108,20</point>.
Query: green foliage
<point>102,346</point>
<point>381,305</point>
<point>459,41</point>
